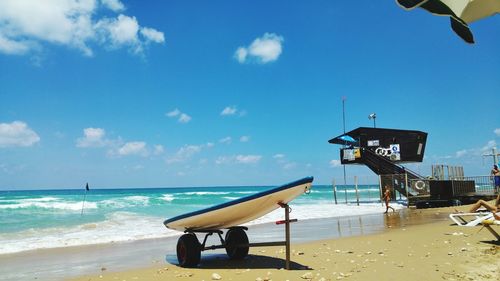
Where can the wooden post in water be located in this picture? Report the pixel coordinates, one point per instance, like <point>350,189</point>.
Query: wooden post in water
<point>356,187</point>
<point>407,190</point>
<point>345,191</point>
<point>380,188</point>
<point>334,191</point>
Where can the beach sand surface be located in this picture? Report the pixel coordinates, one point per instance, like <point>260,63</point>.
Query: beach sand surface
<point>415,245</point>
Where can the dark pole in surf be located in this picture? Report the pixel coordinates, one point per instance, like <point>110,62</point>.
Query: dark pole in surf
<point>84,196</point>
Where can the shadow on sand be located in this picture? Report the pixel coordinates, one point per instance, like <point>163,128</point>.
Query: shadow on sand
<point>492,242</point>
<point>221,261</point>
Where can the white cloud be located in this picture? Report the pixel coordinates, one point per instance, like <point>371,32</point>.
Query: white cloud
<point>17,133</point>
<point>229,110</point>
<point>461,153</point>
<point>224,160</point>
<point>158,149</point>
<point>283,162</point>
<point>280,159</point>
<point>241,54</point>
<point>114,5</point>
<point>210,144</point>
<point>64,22</point>
<point>248,159</point>
<point>244,139</point>
<point>226,140</point>
<point>263,50</point>
<point>474,152</point>
<point>335,163</point>
<point>181,117</point>
<point>173,113</point>
<point>289,165</point>
<point>133,148</point>
<point>92,137</point>
<point>232,110</point>
<point>26,26</point>
<point>11,47</point>
<point>120,31</point>
<point>497,132</point>
<point>184,118</point>
<point>152,35</point>
<point>238,159</point>
<point>138,167</point>
<point>184,153</point>
<point>278,156</point>
<point>491,144</point>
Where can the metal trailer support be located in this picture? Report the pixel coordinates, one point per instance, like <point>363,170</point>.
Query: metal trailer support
<point>287,233</point>
<point>223,245</point>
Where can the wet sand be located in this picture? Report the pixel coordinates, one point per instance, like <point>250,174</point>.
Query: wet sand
<point>409,245</point>
<point>419,243</point>
<point>63,263</point>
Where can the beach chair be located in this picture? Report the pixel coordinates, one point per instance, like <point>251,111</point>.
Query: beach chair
<point>486,220</point>
<point>470,219</point>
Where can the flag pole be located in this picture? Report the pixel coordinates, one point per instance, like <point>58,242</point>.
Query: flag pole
<point>84,196</point>
<point>343,165</point>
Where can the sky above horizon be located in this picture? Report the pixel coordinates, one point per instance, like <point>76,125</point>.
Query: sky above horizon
<point>124,93</point>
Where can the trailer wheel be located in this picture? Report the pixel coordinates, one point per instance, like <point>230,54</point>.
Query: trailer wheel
<point>236,237</point>
<point>188,250</point>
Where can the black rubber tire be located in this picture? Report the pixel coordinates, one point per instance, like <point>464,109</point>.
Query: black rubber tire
<point>234,237</point>
<point>188,250</point>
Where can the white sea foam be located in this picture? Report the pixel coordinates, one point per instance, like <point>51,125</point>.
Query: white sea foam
<point>324,210</point>
<point>201,193</point>
<point>138,200</point>
<point>118,227</point>
<point>246,192</point>
<point>127,226</point>
<point>168,197</point>
<point>205,193</point>
<point>28,200</point>
<point>49,204</point>
<point>125,202</point>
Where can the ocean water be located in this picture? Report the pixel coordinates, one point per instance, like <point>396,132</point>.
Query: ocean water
<point>38,219</point>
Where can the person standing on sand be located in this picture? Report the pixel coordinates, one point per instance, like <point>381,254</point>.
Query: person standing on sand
<point>387,198</point>
<point>495,172</point>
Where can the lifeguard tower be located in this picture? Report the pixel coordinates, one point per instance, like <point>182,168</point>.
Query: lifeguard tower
<point>385,150</point>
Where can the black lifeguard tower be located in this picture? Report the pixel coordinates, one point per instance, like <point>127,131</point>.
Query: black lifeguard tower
<point>383,151</point>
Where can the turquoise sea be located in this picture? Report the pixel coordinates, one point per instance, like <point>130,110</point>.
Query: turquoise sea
<point>36,219</point>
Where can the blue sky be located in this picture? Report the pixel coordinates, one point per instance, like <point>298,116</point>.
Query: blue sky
<point>194,93</point>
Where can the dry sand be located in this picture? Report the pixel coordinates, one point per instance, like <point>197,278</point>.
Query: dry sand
<point>432,251</point>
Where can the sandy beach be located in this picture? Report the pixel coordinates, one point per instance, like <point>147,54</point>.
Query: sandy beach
<point>414,244</point>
